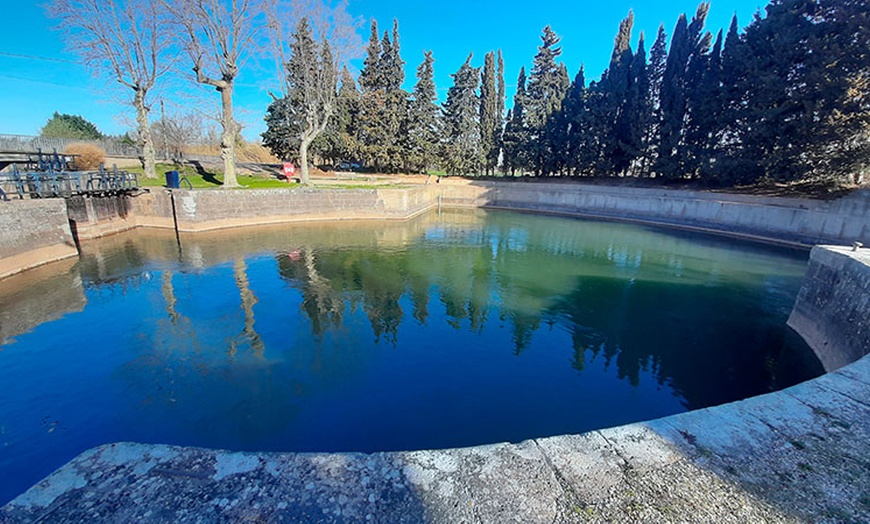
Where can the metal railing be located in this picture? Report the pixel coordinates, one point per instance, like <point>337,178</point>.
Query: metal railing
<point>25,143</point>
<point>53,184</point>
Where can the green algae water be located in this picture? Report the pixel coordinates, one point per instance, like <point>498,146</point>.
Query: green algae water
<point>453,329</point>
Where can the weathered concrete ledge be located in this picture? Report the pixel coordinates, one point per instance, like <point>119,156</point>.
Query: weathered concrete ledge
<point>797,455</point>
<point>33,233</point>
<point>832,311</point>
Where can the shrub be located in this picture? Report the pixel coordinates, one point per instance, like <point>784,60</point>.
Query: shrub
<point>89,156</point>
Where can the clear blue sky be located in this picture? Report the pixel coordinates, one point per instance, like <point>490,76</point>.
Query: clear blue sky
<point>32,89</point>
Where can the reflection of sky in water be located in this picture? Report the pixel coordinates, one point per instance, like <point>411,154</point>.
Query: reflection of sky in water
<point>449,330</point>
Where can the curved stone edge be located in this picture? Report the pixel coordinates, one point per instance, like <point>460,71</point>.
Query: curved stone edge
<point>832,310</point>
<point>798,454</point>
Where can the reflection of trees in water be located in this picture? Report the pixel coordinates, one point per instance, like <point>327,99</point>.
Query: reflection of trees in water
<point>648,309</point>
<point>248,335</point>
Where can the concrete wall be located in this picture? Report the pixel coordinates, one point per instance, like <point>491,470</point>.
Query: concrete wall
<point>206,210</point>
<point>832,311</point>
<point>792,220</point>
<point>32,233</point>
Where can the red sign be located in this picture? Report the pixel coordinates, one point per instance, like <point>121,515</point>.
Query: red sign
<point>289,170</point>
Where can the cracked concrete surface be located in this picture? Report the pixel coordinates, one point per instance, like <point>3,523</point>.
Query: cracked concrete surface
<point>802,454</point>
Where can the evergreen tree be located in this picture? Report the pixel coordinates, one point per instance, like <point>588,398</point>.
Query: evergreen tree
<point>423,118</point>
<point>515,134</point>
<point>638,111</point>
<point>370,76</point>
<point>688,47</point>
<point>547,86</point>
<point>615,86</point>
<point>489,118</point>
<point>383,108</point>
<point>69,126</point>
<point>461,153</point>
<point>575,128</point>
<point>655,73</point>
<point>500,101</point>
<point>804,106</point>
<point>705,112</point>
<point>304,113</point>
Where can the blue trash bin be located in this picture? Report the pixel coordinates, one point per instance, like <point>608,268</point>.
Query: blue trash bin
<point>172,179</point>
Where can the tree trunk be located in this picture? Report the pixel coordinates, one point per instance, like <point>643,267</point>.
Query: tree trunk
<point>303,161</point>
<point>228,136</point>
<point>148,156</point>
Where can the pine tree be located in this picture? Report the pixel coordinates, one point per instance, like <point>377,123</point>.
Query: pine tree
<point>705,112</point>
<point>461,153</point>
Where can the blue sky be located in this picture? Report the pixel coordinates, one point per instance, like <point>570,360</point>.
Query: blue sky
<point>32,89</point>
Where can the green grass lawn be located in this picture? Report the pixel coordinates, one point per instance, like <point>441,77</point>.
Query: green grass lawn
<point>206,179</point>
<point>202,179</point>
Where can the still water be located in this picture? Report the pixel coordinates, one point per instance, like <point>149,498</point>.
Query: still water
<point>453,329</point>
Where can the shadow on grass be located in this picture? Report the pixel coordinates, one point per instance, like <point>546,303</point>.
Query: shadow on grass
<point>206,175</point>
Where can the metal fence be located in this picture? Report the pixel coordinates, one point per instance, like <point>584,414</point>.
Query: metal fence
<point>24,143</point>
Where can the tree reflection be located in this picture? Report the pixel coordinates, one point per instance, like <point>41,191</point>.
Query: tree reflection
<point>248,335</point>
<point>659,308</point>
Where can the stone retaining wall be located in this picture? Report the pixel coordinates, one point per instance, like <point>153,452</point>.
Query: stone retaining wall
<point>33,232</point>
<point>832,311</point>
<point>205,210</point>
<point>791,220</point>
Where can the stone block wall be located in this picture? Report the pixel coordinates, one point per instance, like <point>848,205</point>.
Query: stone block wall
<point>32,233</point>
<point>832,311</point>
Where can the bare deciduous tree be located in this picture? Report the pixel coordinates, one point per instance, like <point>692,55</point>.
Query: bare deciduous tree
<point>218,35</point>
<point>308,75</point>
<point>127,40</point>
<point>328,21</point>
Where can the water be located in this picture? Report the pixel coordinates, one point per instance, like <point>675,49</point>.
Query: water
<point>451,330</point>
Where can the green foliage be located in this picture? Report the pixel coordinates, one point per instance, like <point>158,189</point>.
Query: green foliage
<point>461,152</point>
<point>424,124</point>
<point>489,119</point>
<point>382,119</point>
<point>295,121</point>
<point>545,92</point>
<point>70,126</point>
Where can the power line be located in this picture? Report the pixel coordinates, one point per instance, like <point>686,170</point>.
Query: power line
<point>32,57</point>
<point>67,86</point>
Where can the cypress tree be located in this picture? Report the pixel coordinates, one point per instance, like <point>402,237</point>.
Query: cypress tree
<point>615,86</point>
<point>655,72</point>
<point>688,47</point>
<point>423,118</point>
<point>515,132</point>
<point>546,90</point>
<point>489,120</point>
<point>369,77</point>
<point>574,111</point>
<point>500,101</point>
<point>461,152</point>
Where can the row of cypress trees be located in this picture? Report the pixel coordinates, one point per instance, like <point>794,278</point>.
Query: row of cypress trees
<point>786,99</point>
